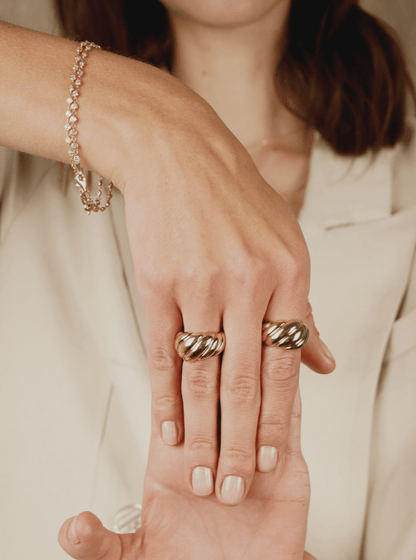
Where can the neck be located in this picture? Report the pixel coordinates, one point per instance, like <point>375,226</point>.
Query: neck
<point>232,68</point>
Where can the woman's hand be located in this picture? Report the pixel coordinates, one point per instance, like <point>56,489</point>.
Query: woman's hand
<point>214,247</point>
<point>213,244</point>
<point>270,524</point>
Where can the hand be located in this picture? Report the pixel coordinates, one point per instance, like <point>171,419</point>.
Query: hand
<point>270,524</point>
<point>214,246</point>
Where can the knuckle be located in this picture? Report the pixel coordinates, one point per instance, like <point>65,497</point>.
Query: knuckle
<point>153,279</point>
<point>275,430</point>
<point>242,389</point>
<point>201,382</point>
<point>164,405</point>
<point>207,282</point>
<point>296,265</point>
<point>202,277</point>
<point>202,445</point>
<point>161,359</point>
<point>261,268</point>
<point>296,415</point>
<point>240,275</point>
<point>243,456</point>
<point>280,366</point>
<point>249,271</point>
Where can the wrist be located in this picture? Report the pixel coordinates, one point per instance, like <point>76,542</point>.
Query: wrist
<point>128,112</point>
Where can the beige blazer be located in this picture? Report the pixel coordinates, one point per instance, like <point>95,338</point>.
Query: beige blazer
<point>75,396</point>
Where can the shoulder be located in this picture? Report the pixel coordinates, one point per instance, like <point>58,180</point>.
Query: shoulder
<point>404,169</point>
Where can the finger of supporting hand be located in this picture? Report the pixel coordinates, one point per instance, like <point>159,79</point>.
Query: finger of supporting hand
<point>84,538</point>
<point>165,368</point>
<point>240,403</point>
<point>200,393</point>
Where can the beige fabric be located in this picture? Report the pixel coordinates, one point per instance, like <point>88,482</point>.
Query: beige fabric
<point>75,393</point>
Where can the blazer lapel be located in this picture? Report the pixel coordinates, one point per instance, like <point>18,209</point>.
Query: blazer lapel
<point>361,257</point>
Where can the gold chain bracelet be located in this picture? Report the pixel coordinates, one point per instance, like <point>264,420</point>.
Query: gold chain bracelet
<point>90,205</point>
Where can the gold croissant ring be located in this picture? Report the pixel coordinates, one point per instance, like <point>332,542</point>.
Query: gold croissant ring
<point>192,347</point>
<point>290,335</point>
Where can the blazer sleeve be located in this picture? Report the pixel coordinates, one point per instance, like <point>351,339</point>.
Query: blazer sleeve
<point>390,531</point>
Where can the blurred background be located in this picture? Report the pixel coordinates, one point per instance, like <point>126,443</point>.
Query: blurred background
<point>400,14</point>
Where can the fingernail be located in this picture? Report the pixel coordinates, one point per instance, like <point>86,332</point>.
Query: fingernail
<point>266,458</point>
<point>72,533</point>
<point>202,481</point>
<point>232,490</point>
<point>327,350</point>
<point>169,433</point>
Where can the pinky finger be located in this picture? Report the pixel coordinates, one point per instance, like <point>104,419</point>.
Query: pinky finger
<point>84,538</point>
<point>316,354</point>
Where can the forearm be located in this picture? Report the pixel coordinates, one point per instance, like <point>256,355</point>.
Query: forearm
<point>117,95</point>
<point>35,73</point>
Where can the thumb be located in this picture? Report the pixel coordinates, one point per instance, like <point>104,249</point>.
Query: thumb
<point>316,355</point>
<point>84,538</point>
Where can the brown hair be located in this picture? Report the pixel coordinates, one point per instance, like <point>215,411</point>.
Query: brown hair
<point>343,71</point>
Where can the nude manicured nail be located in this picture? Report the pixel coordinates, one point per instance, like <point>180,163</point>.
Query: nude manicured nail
<point>169,432</point>
<point>202,481</point>
<point>232,490</point>
<point>72,534</point>
<point>327,350</point>
<point>266,458</point>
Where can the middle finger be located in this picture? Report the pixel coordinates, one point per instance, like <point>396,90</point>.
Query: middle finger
<point>240,404</point>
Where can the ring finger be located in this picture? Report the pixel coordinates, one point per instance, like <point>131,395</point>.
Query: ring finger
<point>279,381</point>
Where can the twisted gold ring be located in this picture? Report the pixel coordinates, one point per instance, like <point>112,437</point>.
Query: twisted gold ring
<point>290,335</point>
<point>192,347</point>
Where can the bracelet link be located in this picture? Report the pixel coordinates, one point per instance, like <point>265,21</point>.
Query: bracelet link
<point>81,182</point>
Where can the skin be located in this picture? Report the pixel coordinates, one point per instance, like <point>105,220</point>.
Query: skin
<point>269,525</point>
